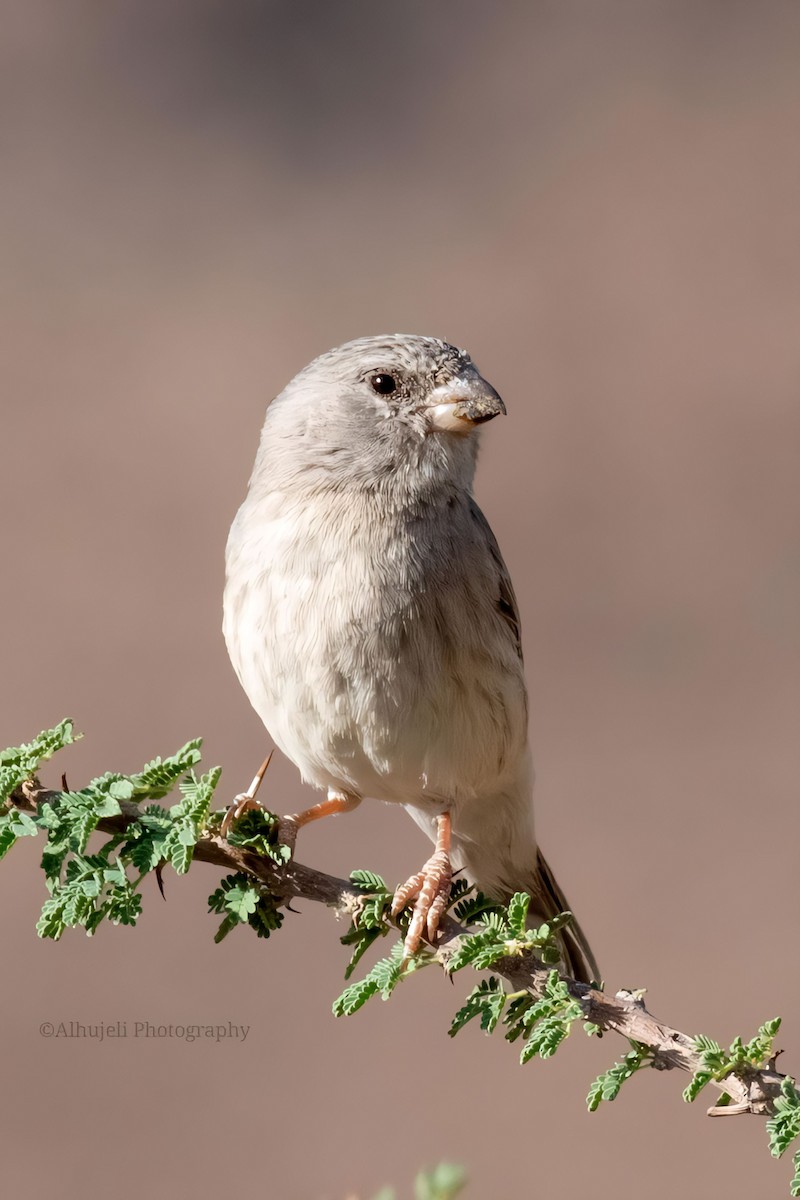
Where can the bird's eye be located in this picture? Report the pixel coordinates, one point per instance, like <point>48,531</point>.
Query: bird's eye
<point>384,385</point>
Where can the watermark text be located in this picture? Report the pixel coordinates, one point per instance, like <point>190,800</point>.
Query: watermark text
<point>101,1031</point>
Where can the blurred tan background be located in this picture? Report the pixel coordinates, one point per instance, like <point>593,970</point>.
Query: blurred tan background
<point>600,201</point>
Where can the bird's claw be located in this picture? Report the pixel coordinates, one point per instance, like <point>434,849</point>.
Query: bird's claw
<point>287,826</point>
<point>241,804</point>
<point>430,890</point>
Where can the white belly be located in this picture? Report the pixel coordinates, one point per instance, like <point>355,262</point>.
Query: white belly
<point>385,673</point>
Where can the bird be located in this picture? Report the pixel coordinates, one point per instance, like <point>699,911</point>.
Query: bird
<point>372,623</point>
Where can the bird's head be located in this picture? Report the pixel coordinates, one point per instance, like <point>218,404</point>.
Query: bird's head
<point>378,410</point>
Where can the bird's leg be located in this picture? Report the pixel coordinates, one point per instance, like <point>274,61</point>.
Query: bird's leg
<point>246,800</point>
<point>338,801</point>
<point>431,887</point>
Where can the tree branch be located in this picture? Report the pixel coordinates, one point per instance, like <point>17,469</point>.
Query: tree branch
<point>750,1090</point>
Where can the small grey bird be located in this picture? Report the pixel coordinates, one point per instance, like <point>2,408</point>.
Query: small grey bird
<point>372,623</point>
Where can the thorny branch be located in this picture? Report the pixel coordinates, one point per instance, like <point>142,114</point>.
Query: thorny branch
<point>749,1091</point>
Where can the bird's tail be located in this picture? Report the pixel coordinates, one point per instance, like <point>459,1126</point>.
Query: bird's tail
<point>547,901</point>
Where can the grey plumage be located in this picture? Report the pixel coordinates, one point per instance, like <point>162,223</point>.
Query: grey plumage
<point>369,614</point>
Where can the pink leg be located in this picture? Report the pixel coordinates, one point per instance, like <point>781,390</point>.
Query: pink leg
<point>338,802</point>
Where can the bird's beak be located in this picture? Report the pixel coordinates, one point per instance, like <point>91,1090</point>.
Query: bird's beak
<point>464,402</point>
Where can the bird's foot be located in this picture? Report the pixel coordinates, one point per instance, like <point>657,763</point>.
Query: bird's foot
<point>430,890</point>
<point>338,801</point>
<point>238,807</point>
<point>243,803</point>
<point>246,801</point>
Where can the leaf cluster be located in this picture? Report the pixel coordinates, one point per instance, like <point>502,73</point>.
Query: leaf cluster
<point>542,1022</point>
<point>784,1127</point>
<point>503,933</point>
<point>442,1183</point>
<point>739,1059</point>
<point>94,887</point>
<point>18,764</point>
<point>85,888</point>
<point>259,831</point>
<point>370,919</point>
<point>241,900</point>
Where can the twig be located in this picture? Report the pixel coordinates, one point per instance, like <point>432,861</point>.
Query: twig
<point>751,1090</point>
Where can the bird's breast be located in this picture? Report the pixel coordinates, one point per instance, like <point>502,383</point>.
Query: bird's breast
<point>369,642</point>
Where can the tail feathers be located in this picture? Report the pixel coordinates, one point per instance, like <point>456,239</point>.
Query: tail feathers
<point>549,900</point>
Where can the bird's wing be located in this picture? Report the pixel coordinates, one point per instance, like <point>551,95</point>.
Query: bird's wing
<point>506,600</point>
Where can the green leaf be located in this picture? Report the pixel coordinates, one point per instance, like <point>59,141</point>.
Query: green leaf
<point>442,1183</point>
<point>784,1126</point>
<point>387,972</point>
<point>241,901</point>
<point>369,880</point>
<point>44,745</point>
<point>354,997</point>
<point>545,933</point>
<point>607,1086</point>
<point>146,839</point>
<point>545,1038</point>
<point>15,824</point>
<point>158,777</point>
<point>189,817</point>
<point>179,845</point>
<point>258,830</point>
<point>51,922</point>
<point>706,1045</point>
<point>383,978</point>
<point>595,1094</point>
<point>469,910</point>
<point>515,1015</point>
<point>225,928</point>
<point>370,918</point>
<point>23,824</point>
<point>486,1001</point>
<point>483,948</point>
<point>266,918</point>
<point>83,826</point>
<point>124,904</point>
<point>518,913</point>
<point>20,763</point>
<point>696,1085</point>
<point>235,884</point>
<point>546,1021</point>
<point>759,1049</point>
<point>365,938</point>
<point>459,888</point>
<point>7,835</point>
<point>107,806</point>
